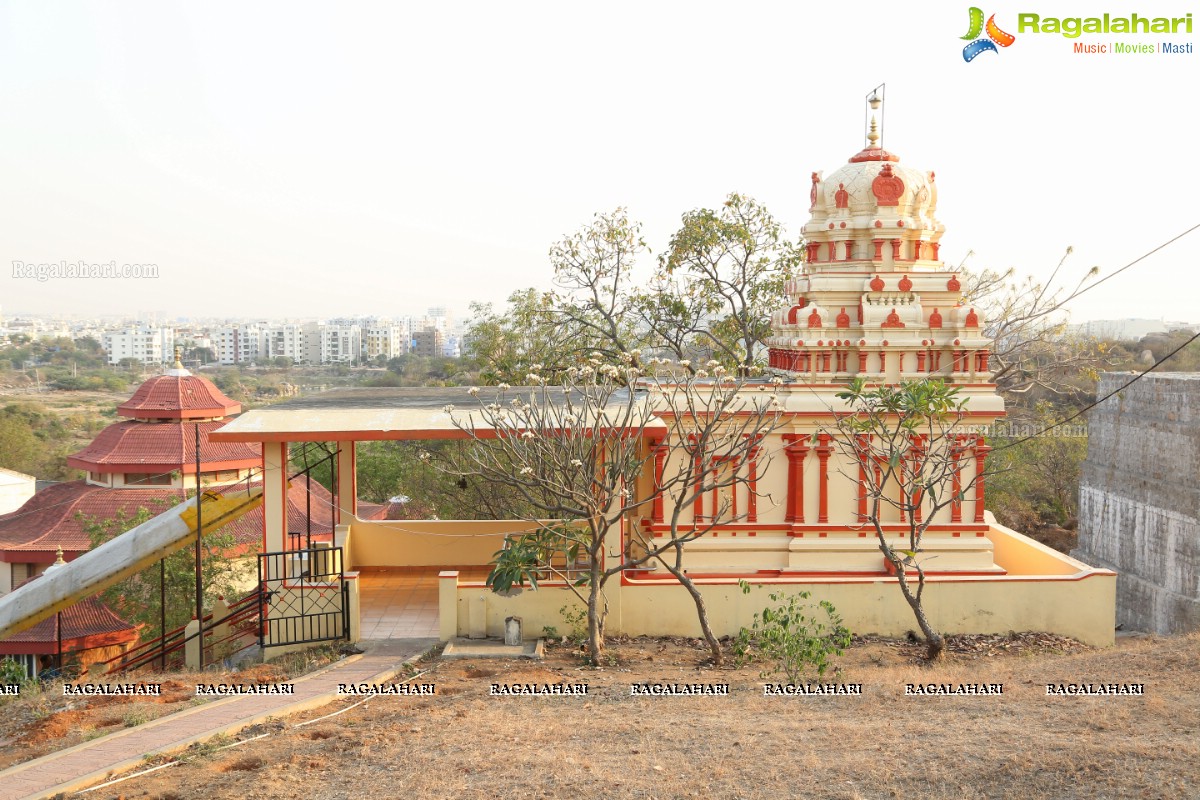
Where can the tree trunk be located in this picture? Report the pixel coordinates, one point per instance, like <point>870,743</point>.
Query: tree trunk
<point>935,643</point>
<point>595,617</point>
<point>714,645</point>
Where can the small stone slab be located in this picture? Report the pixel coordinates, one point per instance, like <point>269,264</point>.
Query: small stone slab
<point>492,648</point>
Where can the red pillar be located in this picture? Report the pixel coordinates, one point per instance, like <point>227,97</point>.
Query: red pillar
<point>660,462</point>
<point>796,449</point>
<point>981,451</point>
<point>956,451</point>
<point>824,449</point>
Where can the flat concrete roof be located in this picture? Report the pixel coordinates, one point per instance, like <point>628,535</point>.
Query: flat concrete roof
<point>376,414</point>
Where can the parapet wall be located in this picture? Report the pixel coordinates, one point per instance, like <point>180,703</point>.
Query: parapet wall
<point>1139,499</point>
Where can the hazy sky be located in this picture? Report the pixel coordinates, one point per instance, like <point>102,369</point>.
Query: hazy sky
<point>301,159</point>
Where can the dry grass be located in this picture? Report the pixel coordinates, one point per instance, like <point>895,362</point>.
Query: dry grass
<point>41,720</point>
<point>466,744</point>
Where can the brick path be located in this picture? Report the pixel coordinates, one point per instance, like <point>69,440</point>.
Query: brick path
<point>95,761</point>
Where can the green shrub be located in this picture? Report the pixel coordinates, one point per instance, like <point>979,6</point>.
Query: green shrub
<point>792,636</point>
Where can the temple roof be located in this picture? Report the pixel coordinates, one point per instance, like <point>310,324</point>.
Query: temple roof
<point>139,446</point>
<point>178,395</point>
<point>88,623</point>
<point>50,519</point>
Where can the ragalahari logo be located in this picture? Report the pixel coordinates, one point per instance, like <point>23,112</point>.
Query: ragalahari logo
<point>995,36</point>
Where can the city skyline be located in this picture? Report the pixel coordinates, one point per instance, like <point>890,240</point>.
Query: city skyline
<point>318,161</point>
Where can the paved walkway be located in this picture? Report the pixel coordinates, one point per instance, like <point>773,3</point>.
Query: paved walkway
<point>95,761</point>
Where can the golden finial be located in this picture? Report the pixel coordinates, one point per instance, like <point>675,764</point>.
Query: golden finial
<point>59,559</point>
<point>873,133</point>
<point>178,357</point>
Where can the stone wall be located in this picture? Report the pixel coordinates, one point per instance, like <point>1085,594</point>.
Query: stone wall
<point>1139,499</point>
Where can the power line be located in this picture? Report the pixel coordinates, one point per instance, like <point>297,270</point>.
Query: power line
<point>1140,258</point>
<point>1100,400</point>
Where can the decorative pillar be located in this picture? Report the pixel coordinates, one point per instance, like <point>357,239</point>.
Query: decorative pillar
<point>660,462</point>
<point>956,451</point>
<point>981,451</point>
<point>862,361</point>
<point>796,449</point>
<point>849,249</point>
<point>935,246</point>
<point>751,486</point>
<point>920,361</point>
<point>862,442</point>
<point>824,449</point>
<point>895,249</point>
<point>878,251</point>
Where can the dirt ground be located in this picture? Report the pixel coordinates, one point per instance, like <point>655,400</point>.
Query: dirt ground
<point>465,743</point>
<point>41,720</point>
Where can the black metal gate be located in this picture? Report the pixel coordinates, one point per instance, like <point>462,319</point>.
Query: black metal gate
<point>304,597</point>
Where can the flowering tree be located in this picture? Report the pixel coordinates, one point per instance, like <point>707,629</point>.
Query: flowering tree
<point>598,453</point>
<point>907,443</point>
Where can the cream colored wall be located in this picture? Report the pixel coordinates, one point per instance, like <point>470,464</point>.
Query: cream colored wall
<point>1083,609</point>
<point>429,543</point>
<point>1021,555</point>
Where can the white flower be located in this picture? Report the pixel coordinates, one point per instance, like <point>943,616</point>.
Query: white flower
<point>494,408</point>
<point>424,455</point>
<point>448,409</point>
<point>685,362</point>
<point>528,435</point>
<point>533,378</point>
<point>536,368</point>
<point>503,386</point>
<point>719,370</point>
<point>700,373</point>
<point>575,462</point>
<point>473,391</point>
<point>526,470</point>
<point>712,362</point>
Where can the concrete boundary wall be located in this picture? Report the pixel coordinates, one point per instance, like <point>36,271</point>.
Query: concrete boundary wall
<point>1139,499</point>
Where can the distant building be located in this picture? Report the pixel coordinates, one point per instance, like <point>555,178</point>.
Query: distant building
<point>238,344</point>
<point>142,343</point>
<point>383,339</point>
<point>428,343</point>
<point>283,341</point>
<point>341,342</point>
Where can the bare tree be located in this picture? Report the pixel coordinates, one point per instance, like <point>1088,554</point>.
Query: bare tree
<point>1032,348</point>
<point>607,448</point>
<point>908,445</point>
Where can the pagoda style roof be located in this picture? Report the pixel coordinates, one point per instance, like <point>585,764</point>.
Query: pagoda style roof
<point>178,395</point>
<point>86,625</point>
<point>139,446</point>
<point>51,518</point>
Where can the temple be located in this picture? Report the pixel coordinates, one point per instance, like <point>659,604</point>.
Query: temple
<point>875,302</point>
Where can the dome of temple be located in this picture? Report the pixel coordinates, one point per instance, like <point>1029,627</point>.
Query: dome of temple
<point>873,190</point>
<point>178,394</point>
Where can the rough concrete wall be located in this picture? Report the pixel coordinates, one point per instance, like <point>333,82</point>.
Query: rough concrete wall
<point>1139,499</point>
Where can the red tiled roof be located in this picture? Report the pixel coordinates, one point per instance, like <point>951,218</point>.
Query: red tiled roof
<point>136,446</point>
<point>87,618</point>
<point>49,519</point>
<point>178,397</point>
